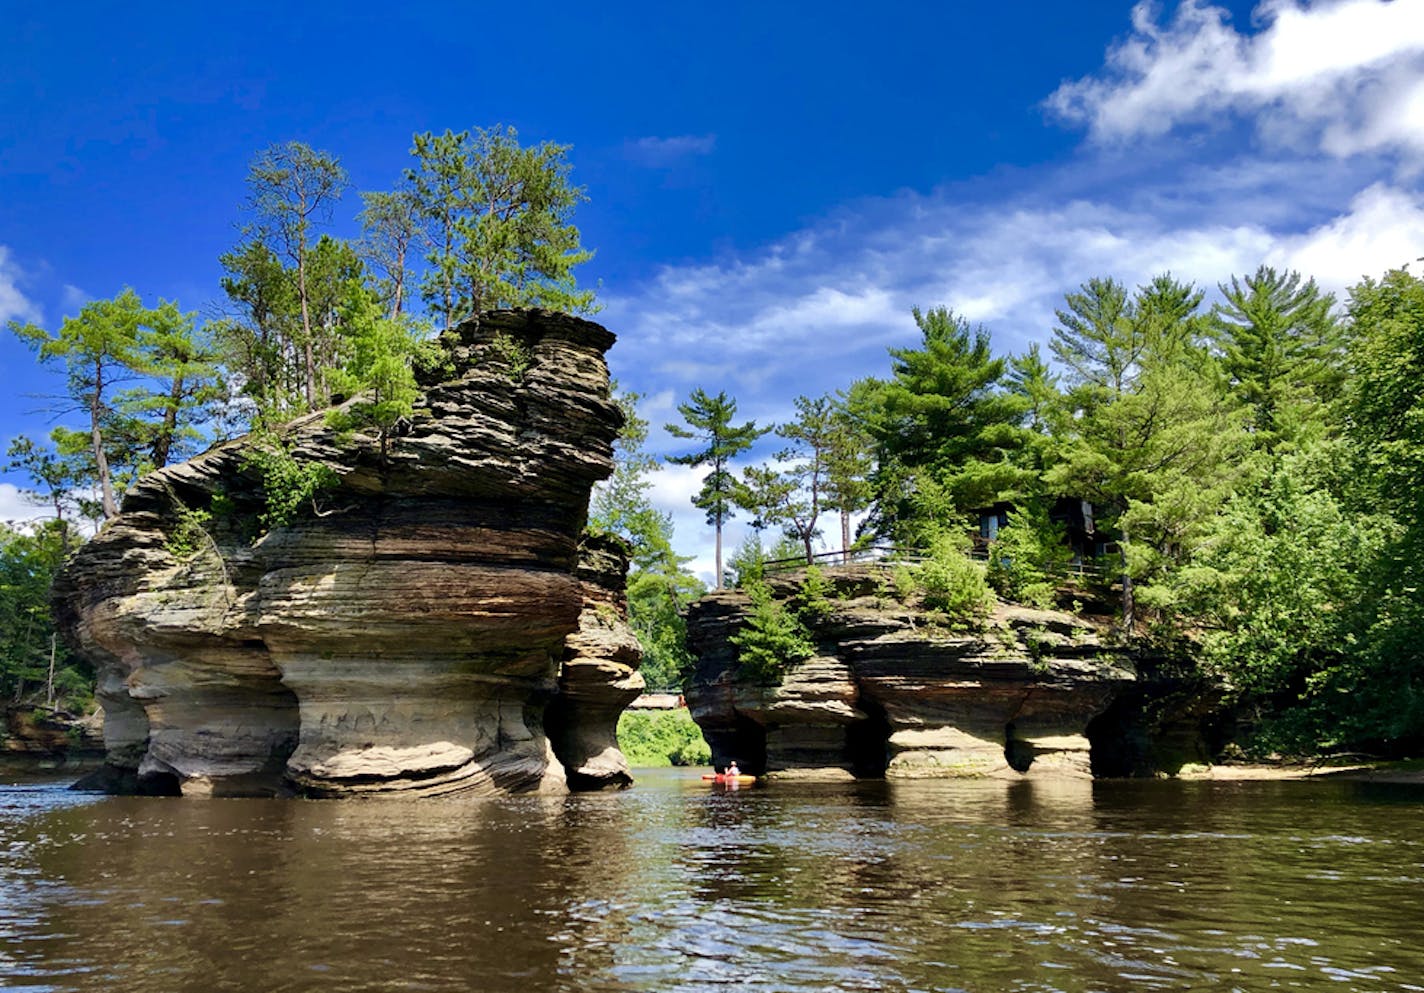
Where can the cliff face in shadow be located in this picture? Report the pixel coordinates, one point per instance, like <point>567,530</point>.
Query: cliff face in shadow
<point>408,635</point>
<point>894,691</point>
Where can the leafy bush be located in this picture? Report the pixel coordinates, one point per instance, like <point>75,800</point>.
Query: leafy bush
<point>516,356</point>
<point>1029,553</point>
<point>905,583</point>
<point>813,599</point>
<point>952,583</point>
<point>772,639</point>
<point>287,481</point>
<point>189,535</point>
<point>659,738</point>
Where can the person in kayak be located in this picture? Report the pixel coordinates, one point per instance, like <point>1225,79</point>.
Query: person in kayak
<point>732,771</point>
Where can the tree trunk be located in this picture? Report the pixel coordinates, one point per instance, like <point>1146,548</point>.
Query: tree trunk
<point>398,279</point>
<point>306,325</point>
<point>845,537</point>
<point>806,541</point>
<point>163,444</point>
<point>96,440</point>
<point>718,579</point>
<point>1128,604</point>
<point>49,682</point>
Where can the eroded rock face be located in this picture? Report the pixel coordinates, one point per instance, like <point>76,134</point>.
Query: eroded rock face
<point>404,637</point>
<point>893,693</point>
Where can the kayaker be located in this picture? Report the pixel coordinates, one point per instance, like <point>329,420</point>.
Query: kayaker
<point>732,771</point>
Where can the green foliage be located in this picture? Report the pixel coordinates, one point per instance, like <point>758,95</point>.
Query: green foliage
<point>849,466</point>
<point>112,342</point>
<point>771,639</point>
<point>1030,552</point>
<point>659,585</point>
<point>1151,438</point>
<point>189,534</point>
<point>796,492</point>
<point>953,583</point>
<point>1282,354</point>
<point>1271,576</point>
<point>501,222</point>
<point>292,187</point>
<point>940,423</point>
<point>904,583</point>
<point>58,476</point>
<point>660,738</point>
<point>814,598</point>
<point>391,229</point>
<point>34,665</point>
<point>288,483</point>
<point>709,419</point>
<point>379,371</point>
<point>513,354</point>
<point>748,562</point>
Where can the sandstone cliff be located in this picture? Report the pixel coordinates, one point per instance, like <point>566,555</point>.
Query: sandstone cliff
<point>893,691</point>
<point>405,637</point>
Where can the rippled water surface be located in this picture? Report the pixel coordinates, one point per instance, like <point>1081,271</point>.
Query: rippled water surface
<point>978,886</point>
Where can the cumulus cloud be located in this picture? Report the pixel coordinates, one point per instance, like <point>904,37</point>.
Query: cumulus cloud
<point>1346,77</point>
<point>817,310</point>
<point>658,152</point>
<point>14,305</point>
<point>1383,229</point>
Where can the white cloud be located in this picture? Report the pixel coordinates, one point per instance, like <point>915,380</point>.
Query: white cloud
<point>14,305</point>
<point>72,298</point>
<point>16,508</point>
<point>1383,229</point>
<point>657,152</point>
<point>816,310</point>
<point>1346,77</point>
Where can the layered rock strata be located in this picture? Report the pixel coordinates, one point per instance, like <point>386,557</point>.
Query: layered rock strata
<point>407,632</point>
<point>894,692</point>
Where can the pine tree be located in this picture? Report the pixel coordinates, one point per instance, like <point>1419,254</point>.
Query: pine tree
<point>292,186</point>
<point>1282,353</point>
<point>501,222</point>
<point>99,350</point>
<point>709,419</point>
<point>944,431</point>
<point>1148,438</point>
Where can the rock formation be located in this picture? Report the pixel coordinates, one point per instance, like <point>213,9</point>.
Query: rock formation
<point>894,692</point>
<point>407,635</point>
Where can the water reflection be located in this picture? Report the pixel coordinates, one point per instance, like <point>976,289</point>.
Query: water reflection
<point>1034,885</point>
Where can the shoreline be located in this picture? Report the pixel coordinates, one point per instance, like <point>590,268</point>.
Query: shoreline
<point>1410,772</point>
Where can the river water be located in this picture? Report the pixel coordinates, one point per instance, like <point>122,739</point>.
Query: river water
<point>673,885</point>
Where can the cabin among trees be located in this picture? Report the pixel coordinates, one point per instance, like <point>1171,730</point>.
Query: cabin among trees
<point>1074,515</point>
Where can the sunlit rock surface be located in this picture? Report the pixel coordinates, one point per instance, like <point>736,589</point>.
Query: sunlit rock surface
<point>405,636</point>
<point>893,692</point>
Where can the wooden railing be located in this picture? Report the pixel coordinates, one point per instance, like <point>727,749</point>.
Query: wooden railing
<point>889,555</point>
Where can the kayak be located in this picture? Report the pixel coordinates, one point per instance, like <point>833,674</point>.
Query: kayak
<point>722,777</point>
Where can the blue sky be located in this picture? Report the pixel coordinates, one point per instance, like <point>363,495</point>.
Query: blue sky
<point>772,186</point>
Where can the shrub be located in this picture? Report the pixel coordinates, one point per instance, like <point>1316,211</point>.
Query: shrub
<point>516,356</point>
<point>772,639</point>
<point>952,583</point>
<point>1030,551</point>
<point>189,534</point>
<point>287,481</point>
<point>813,599</point>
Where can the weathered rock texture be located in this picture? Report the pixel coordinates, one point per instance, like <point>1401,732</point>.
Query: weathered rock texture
<point>407,636</point>
<point>893,692</point>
